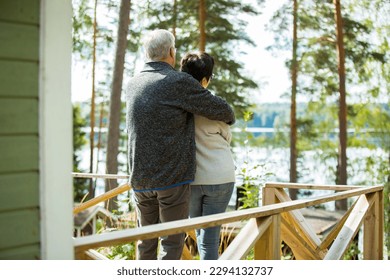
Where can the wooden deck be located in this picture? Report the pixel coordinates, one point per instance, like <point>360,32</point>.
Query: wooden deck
<point>322,221</point>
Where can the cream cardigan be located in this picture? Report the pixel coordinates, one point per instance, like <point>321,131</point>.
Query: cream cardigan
<point>214,160</point>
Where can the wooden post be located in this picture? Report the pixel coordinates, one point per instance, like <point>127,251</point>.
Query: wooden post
<point>268,196</point>
<point>373,230</point>
<point>245,240</point>
<point>268,246</point>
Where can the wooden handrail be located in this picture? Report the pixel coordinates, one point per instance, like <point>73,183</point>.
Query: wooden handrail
<point>169,228</point>
<point>110,194</point>
<point>312,187</point>
<point>102,176</point>
<point>106,196</point>
<point>266,223</point>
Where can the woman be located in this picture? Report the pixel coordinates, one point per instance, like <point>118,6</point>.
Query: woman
<point>215,173</point>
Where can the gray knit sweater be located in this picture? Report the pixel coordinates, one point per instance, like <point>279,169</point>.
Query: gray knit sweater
<point>160,122</point>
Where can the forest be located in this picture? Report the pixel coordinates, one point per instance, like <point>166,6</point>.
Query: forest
<point>333,112</point>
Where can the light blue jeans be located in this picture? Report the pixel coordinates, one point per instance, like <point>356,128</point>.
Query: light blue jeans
<point>208,200</point>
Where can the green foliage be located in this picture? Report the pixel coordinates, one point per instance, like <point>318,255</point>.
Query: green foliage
<point>352,252</point>
<point>224,34</point>
<point>252,176</point>
<point>82,32</point>
<point>82,22</point>
<point>251,255</point>
<point>253,179</point>
<point>366,46</point>
<point>367,51</point>
<point>121,252</point>
<point>80,185</point>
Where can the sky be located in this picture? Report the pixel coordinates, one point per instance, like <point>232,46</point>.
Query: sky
<point>260,63</point>
<point>265,69</point>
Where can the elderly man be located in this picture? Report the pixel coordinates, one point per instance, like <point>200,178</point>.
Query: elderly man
<point>161,103</point>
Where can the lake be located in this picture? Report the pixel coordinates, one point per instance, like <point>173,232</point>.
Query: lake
<point>276,162</point>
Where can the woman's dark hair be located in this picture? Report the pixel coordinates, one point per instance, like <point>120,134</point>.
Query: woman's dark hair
<point>198,65</point>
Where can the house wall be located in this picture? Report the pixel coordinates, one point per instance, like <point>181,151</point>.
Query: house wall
<point>35,129</point>
<point>19,136</point>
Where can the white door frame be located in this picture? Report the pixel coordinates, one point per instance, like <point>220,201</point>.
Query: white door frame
<point>55,130</point>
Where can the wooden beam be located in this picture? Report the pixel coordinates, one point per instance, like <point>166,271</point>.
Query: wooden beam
<point>350,228</point>
<point>304,236</point>
<point>244,241</point>
<point>336,229</point>
<point>299,222</point>
<point>311,187</point>
<point>90,255</point>
<point>380,223</point>
<point>268,196</point>
<point>380,219</point>
<point>110,194</point>
<point>192,234</point>
<point>102,176</point>
<point>268,247</point>
<point>95,255</point>
<point>186,254</point>
<point>373,230</point>
<point>153,231</point>
<point>301,249</point>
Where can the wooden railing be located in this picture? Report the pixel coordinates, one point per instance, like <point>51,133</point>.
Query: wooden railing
<point>279,219</point>
<point>108,195</point>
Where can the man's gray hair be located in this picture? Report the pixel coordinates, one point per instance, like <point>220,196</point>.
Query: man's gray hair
<point>157,44</point>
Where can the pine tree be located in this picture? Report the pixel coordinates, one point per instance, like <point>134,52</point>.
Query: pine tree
<point>115,100</point>
<point>223,34</point>
<point>293,121</point>
<point>91,192</point>
<point>318,64</point>
<point>342,154</point>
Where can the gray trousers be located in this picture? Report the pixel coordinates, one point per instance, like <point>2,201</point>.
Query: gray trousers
<point>158,207</point>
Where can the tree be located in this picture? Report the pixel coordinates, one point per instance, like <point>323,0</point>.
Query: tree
<point>91,192</point>
<point>85,49</point>
<point>83,45</point>
<point>174,18</point>
<point>293,124</point>
<point>224,32</point>
<point>351,40</point>
<point>342,157</point>
<point>80,186</point>
<point>115,100</point>
<point>318,70</point>
<point>202,23</point>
